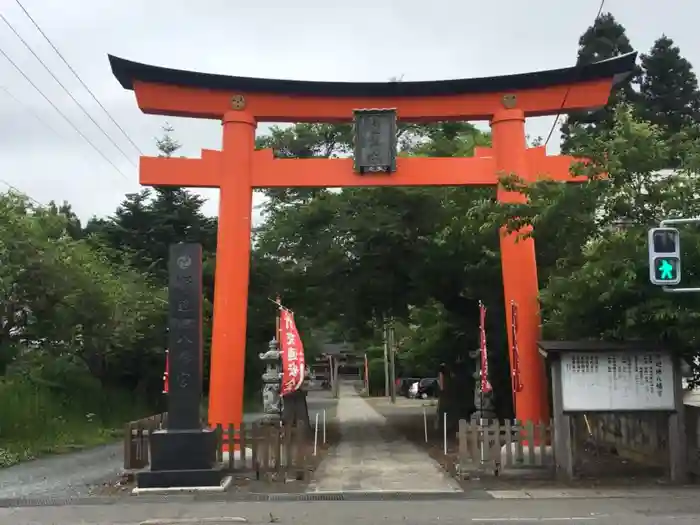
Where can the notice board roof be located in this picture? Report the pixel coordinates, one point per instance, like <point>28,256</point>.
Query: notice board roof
<point>551,348</point>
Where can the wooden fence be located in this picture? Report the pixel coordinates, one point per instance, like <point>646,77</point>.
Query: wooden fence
<point>269,450</point>
<point>692,433</point>
<point>498,445</point>
<point>136,440</point>
<point>266,450</point>
<point>639,437</point>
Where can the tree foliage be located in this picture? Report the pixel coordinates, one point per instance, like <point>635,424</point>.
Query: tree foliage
<point>605,38</point>
<point>76,328</point>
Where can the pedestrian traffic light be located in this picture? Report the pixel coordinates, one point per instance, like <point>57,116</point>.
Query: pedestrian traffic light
<point>664,256</point>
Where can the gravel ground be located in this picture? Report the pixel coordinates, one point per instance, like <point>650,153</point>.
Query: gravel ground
<point>67,475</point>
<point>319,401</point>
<point>64,475</point>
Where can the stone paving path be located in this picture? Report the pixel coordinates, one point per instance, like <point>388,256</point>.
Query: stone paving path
<point>367,460</point>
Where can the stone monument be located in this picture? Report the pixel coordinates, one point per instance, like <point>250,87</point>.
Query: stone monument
<point>183,455</point>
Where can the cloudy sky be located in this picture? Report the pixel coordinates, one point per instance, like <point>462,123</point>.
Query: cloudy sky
<point>363,40</point>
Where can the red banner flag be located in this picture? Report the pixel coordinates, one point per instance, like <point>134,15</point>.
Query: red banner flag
<point>485,384</point>
<point>515,373</point>
<point>167,372</point>
<point>293,364</point>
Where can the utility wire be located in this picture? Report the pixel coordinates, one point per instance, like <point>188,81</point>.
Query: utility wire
<point>21,72</point>
<point>568,90</point>
<point>38,117</point>
<point>48,70</point>
<point>22,193</point>
<point>12,187</point>
<point>35,114</point>
<point>48,40</point>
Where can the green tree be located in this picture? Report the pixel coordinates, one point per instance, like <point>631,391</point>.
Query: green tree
<point>77,335</point>
<point>604,291</point>
<point>605,39</point>
<point>147,223</point>
<point>669,91</point>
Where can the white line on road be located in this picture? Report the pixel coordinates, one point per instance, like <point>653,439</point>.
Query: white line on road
<point>194,521</point>
<point>538,520</point>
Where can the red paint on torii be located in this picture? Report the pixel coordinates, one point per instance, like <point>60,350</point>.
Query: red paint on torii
<point>240,103</point>
<point>269,172</point>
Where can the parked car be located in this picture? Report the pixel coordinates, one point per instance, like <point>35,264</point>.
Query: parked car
<point>427,387</point>
<point>403,384</point>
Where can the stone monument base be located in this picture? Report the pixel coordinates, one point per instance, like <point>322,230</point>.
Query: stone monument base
<point>174,479</point>
<point>182,458</point>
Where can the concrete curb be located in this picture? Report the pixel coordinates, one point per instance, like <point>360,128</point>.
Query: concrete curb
<point>540,494</point>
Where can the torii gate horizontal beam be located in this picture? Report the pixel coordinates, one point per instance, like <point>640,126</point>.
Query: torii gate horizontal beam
<point>268,172</point>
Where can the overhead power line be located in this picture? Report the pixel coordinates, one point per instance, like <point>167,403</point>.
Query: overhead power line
<point>42,121</point>
<point>568,90</point>
<point>36,115</point>
<point>26,77</point>
<point>48,70</point>
<point>48,40</point>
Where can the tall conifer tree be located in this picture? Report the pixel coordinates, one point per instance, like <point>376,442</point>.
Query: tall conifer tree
<point>669,94</point>
<point>605,39</point>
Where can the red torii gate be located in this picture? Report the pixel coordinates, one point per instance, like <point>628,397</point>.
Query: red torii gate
<point>242,102</point>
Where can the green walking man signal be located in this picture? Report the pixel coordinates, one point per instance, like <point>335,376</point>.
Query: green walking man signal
<point>664,256</point>
<point>666,269</point>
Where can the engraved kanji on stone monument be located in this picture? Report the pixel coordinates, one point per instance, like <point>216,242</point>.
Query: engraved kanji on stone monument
<point>185,335</point>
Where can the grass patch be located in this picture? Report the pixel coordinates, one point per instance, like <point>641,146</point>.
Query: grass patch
<point>36,420</point>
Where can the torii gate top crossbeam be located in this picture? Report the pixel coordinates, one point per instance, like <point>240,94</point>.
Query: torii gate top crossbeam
<point>166,91</point>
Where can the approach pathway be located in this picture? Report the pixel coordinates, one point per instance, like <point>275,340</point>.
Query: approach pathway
<point>367,460</point>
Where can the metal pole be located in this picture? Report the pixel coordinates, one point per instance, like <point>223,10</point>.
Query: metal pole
<point>680,290</point>
<point>444,433</point>
<point>666,222</point>
<point>392,362</point>
<point>385,336</point>
<point>425,424</point>
<point>316,434</point>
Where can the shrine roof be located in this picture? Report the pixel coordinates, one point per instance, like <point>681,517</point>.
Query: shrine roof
<point>558,347</point>
<point>618,68</point>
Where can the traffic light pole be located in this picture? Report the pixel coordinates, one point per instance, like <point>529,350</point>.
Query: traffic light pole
<point>670,222</point>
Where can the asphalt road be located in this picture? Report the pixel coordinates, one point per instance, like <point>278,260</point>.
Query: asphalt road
<point>618,511</point>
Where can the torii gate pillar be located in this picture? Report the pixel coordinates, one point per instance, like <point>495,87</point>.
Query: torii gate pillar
<point>519,268</point>
<point>227,371</point>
